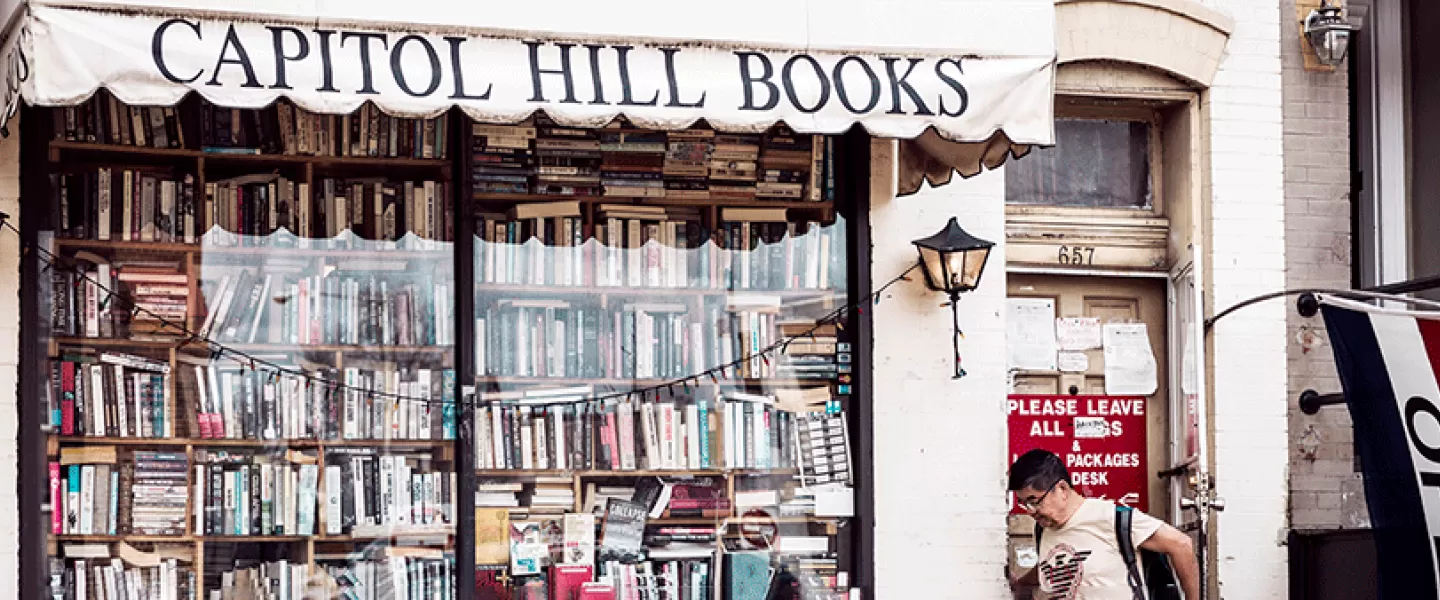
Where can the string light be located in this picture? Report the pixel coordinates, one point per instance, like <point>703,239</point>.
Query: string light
<point>219,351</point>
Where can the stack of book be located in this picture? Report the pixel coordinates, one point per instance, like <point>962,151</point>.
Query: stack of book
<point>160,293</point>
<point>687,164</point>
<point>733,166</point>
<point>157,486</point>
<point>569,160</point>
<point>497,494</point>
<point>786,165</point>
<point>551,495</point>
<point>632,162</point>
<point>504,158</point>
<point>387,573</point>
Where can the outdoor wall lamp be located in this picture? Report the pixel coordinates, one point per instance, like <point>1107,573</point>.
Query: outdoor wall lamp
<point>1328,32</point>
<point>952,261</point>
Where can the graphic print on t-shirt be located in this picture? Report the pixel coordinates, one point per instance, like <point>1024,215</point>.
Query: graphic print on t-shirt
<point>1062,570</point>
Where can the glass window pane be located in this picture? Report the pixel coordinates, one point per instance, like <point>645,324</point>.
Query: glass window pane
<point>626,425</point>
<point>1095,164</point>
<point>252,366</point>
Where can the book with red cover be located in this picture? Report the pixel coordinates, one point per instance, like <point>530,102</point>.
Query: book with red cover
<point>597,591</point>
<point>490,583</point>
<point>566,580</point>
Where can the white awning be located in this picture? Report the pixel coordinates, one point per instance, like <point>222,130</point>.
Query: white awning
<point>974,71</point>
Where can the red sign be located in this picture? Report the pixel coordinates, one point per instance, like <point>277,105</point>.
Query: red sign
<point>1100,438</point>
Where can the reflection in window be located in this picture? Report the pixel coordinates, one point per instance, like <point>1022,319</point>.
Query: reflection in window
<point>1094,164</point>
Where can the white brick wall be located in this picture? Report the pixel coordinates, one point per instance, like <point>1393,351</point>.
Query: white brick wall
<point>1247,244</point>
<point>940,444</point>
<point>9,364</point>
<point>1317,254</point>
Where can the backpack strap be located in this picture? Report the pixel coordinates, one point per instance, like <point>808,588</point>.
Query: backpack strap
<point>1038,531</point>
<point>1123,518</point>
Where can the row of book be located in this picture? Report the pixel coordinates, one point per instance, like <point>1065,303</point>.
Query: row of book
<point>288,301</point>
<point>152,204</point>
<point>104,119</point>
<point>538,337</point>
<point>734,431</point>
<point>390,573</point>
<point>355,213</point>
<point>282,128</point>
<point>92,578</point>
<point>542,157</point>
<point>237,493</point>
<point>94,492</point>
<point>383,403</point>
<point>367,493</point>
<point>651,246</point>
<point>158,204</point>
<point>110,394</point>
<point>288,129</point>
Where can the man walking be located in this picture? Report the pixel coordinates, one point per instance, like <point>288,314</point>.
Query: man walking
<point>1079,549</point>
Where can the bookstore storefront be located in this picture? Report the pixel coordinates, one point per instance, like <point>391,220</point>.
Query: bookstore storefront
<point>374,302</point>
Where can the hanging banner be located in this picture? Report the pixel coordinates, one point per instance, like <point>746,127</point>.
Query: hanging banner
<point>1388,363</point>
<point>1100,438</point>
<point>149,58</point>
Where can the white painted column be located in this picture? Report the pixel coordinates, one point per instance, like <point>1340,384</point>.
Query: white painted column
<point>1247,245</point>
<point>9,366</point>
<point>940,444</point>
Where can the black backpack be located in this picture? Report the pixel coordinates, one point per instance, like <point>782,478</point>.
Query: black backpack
<point>1158,573</point>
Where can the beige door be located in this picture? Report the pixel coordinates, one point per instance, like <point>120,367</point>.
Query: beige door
<point>1112,300</point>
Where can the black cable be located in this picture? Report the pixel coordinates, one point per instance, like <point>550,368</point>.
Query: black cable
<point>220,350</point>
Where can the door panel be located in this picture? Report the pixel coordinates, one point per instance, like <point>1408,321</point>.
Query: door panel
<point>1112,300</point>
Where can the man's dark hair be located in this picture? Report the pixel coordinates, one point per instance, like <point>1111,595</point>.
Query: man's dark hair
<point>1038,469</point>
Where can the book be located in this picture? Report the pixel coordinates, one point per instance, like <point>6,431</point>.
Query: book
<point>622,532</point>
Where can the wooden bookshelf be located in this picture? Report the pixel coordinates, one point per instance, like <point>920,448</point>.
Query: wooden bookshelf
<point>180,397</point>
<point>190,169</point>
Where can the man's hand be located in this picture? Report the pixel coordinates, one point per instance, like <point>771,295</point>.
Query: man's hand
<point>1175,544</point>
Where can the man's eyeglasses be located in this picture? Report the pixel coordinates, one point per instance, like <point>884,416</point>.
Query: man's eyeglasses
<point>1034,505</point>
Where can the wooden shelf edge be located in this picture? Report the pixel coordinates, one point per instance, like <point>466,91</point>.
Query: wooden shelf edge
<point>653,201</point>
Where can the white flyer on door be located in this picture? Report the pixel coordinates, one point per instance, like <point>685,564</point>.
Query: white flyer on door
<point>1078,333</point>
<point>1030,334</point>
<point>1129,364</point>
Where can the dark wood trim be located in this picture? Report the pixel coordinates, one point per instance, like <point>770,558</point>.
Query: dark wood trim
<point>853,194</point>
<point>464,225</point>
<point>32,469</point>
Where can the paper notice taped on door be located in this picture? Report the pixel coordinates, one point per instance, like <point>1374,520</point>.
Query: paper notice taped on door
<point>1078,333</point>
<point>1074,362</point>
<point>1130,368</point>
<point>1030,334</point>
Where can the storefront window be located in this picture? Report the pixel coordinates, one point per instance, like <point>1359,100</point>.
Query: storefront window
<point>631,426</point>
<point>251,353</point>
<point>254,388</point>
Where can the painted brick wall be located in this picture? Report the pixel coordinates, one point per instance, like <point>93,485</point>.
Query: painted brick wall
<point>939,444</point>
<point>1247,258</point>
<point>9,364</point>
<point>1325,490</point>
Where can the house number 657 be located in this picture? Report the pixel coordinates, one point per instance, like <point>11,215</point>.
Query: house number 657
<point>1077,255</point>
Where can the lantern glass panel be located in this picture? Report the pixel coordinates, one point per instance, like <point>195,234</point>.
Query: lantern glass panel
<point>934,269</point>
<point>972,263</point>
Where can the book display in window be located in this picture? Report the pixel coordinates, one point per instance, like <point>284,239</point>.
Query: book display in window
<point>251,374</point>
<point>638,426</point>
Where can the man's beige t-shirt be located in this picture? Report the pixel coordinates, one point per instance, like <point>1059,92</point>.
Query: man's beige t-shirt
<point>1081,560</point>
